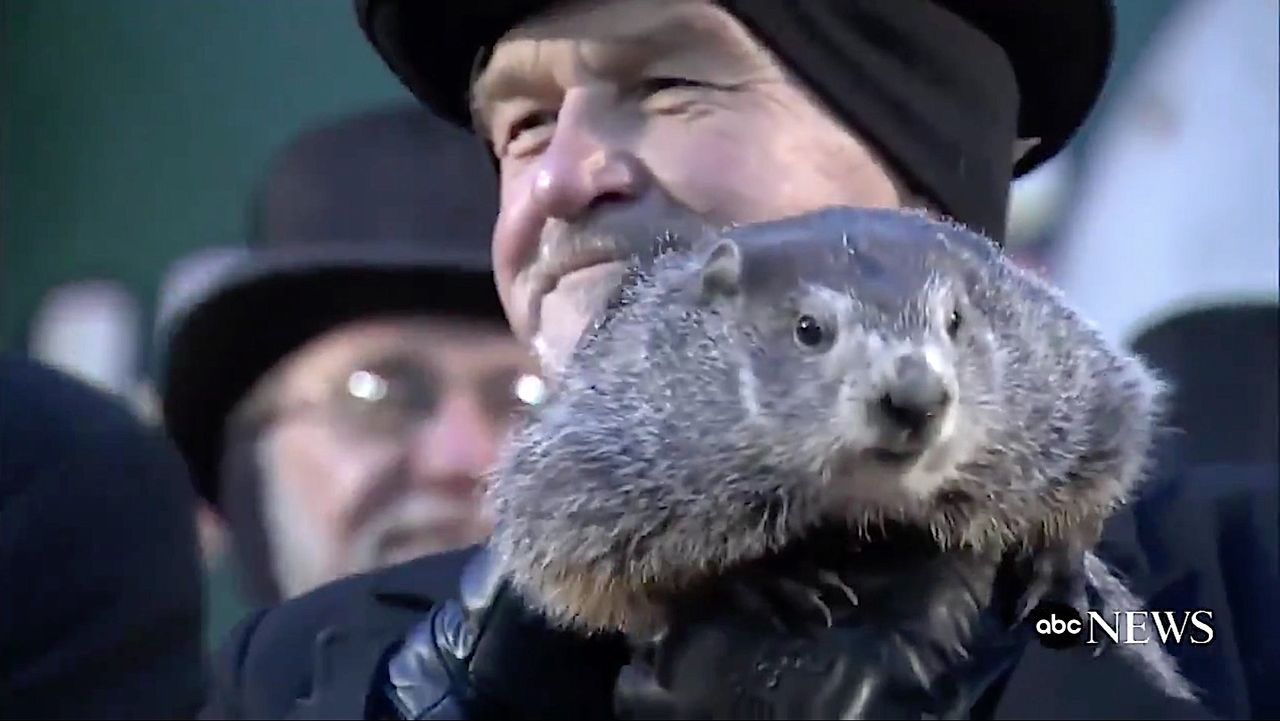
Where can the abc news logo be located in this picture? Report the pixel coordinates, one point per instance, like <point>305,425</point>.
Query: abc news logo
<point>1059,626</point>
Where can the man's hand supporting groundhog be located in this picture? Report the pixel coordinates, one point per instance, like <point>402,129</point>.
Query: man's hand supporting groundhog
<point>907,632</point>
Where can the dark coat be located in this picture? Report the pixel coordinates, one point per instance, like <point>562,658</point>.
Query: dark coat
<point>1205,538</point>
<point>314,656</point>
<point>1200,539</point>
<point>101,601</point>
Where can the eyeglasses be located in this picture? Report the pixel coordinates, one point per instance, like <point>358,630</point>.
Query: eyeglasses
<point>387,400</point>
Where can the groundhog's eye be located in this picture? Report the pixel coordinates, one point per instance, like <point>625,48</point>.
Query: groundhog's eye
<point>953,323</point>
<point>809,332</point>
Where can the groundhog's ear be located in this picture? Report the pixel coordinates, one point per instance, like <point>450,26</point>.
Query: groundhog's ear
<point>722,272</point>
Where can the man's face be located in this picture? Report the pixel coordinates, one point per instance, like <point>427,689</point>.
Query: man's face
<point>382,429</point>
<point>616,120</point>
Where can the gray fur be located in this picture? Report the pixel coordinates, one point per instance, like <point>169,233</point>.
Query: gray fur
<point>1150,658</point>
<point>690,432</point>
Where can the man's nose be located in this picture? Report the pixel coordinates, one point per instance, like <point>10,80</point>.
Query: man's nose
<point>585,163</point>
<point>455,446</point>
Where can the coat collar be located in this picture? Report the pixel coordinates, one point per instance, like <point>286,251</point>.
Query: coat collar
<point>349,654</point>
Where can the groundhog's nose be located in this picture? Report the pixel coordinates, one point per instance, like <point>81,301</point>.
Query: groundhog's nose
<point>917,396</point>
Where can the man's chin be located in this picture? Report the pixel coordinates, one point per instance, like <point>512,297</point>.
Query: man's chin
<point>439,541</point>
<point>404,554</point>
<point>566,311</point>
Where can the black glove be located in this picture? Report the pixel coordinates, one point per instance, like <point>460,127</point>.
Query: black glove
<point>490,656</point>
<point>901,631</point>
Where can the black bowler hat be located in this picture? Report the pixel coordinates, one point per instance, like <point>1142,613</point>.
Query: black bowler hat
<point>387,212</point>
<point>943,87</point>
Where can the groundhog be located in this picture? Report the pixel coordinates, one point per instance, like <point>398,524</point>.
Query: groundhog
<point>852,369</point>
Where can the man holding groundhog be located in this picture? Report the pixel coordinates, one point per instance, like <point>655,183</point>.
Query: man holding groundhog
<point>611,122</point>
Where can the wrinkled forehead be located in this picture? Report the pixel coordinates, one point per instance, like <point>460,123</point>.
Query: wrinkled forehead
<point>611,38</point>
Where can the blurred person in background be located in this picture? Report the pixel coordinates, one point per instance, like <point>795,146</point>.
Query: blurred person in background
<point>1174,248</point>
<point>90,329</point>
<point>339,389</point>
<point>101,608</point>
<point>1181,181</point>
<point>183,281</point>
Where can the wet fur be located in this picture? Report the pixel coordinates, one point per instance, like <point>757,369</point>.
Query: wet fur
<point>689,434</point>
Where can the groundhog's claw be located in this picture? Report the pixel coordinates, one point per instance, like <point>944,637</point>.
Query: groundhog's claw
<point>1103,642</point>
<point>1035,593</point>
<point>793,599</point>
<point>832,579</point>
<point>1056,574</point>
<point>798,595</point>
<point>809,587</point>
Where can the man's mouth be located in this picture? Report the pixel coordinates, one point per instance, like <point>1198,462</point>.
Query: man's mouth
<point>415,525</point>
<point>586,278</point>
<point>571,279</point>
<point>567,309</point>
<point>571,290</point>
<point>578,261</point>
<point>579,273</point>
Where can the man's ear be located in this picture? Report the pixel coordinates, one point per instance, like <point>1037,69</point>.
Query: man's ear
<point>722,271</point>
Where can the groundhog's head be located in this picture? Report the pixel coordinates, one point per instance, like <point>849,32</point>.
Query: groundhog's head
<point>868,344</point>
<point>781,376</point>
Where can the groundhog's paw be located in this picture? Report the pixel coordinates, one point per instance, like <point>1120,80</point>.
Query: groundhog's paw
<point>798,598</point>
<point>1056,575</point>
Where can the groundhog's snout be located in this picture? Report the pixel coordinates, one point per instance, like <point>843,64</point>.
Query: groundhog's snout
<point>913,405</point>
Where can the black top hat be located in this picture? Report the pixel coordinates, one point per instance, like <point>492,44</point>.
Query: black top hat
<point>386,212</point>
<point>1058,52</point>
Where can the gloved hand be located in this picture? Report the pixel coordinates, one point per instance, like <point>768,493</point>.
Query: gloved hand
<point>490,656</point>
<point>901,630</point>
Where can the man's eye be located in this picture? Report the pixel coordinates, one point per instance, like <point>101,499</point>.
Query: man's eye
<point>528,122</point>
<point>515,393</point>
<point>367,386</point>
<point>651,86</point>
<point>388,395</point>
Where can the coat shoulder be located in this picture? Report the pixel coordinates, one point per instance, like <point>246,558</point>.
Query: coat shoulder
<point>266,663</point>
<point>1199,538</point>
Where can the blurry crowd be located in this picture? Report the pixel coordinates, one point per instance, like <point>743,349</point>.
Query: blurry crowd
<point>337,384</point>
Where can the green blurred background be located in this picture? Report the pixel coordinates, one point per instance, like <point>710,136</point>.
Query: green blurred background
<point>133,132</point>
